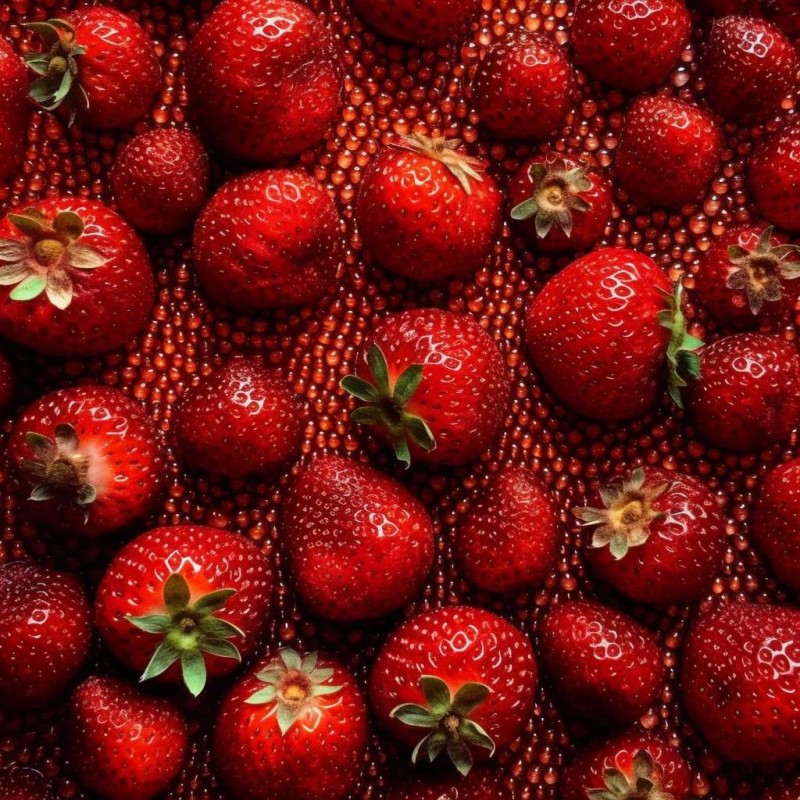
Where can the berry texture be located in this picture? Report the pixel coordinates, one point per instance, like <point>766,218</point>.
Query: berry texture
<point>13,109</point>
<point>24,784</point>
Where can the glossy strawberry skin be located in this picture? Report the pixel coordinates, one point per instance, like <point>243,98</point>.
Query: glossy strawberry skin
<point>24,784</point>
<point>264,78</point>
<point>268,239</point>
<point>480,784</point>
<point>13,110</point>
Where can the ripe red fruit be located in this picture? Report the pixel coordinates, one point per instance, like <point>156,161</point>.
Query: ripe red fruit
<point>741,686</point>
<point>268,239</point>
<point>440,389</point>
<point>13,110</point>
<point>242,420</point>
<point>24,784</point>
<point>508,540</point>
<point>292,729</point>
<point>657,537</point>
<point>426,211</point>
<point>96,63</point>
<point>75,278</point>
<point>45,634</point>
<point>629,44</point>
<point>360,544</point>
<point>264,78</point>
<point>87,460</point>
<point>184,601</point>
<point>480,784</point>
<point>668,152</point>
<point>124,745</point>
<point>741,401</point>
<point>459,679</point>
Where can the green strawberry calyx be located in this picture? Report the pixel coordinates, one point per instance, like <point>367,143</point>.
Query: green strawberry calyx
<point>448,719</point>
<point>189,632</point>
<point>643,784</point>
<point>683,361</point>
<point>462,167</point>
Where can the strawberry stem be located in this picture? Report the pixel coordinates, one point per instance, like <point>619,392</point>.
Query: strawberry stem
<point>683,362</point>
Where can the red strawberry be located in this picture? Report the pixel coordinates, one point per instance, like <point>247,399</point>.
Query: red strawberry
<point>657,537</point>
<point>605,332</point>
<point>459,679</point>
<point>97,63</point>
<point>741,684</point>
<point>269,239</point>
<point>629,44</point>
<point>784,13</point>
<point>605,667</point>
<point>264,78</point>
<point>87,460</point>
<point>524,87</point>
<point>123,744</point>
<point>668,152</point>
<point>45,634</point>
<point>24,784</point>
<point>426,211</point>
<point>781,790</point>
<point>741,401</point>
<point>480,784</point>
<point>13,110</point>
<point>76,278</point>
<point>508,540</point>
<point>184,601</point>
<point>7,382</point>
<point>749,68</point>
<point>160,180</point>
<point>292,729</point>
<point>243,420</point>
<point>440,389</point>
<point>562,205</point>
<point>360,544</point>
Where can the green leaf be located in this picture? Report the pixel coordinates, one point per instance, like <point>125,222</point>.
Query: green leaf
<point>216,628</point>
<point>407,384</point>
<point>12,250</point>
<point>41,493</point>
<point>263,696</point>
<point>415,715</point>
<point>469,697</point>
<point>220,647</point>
<point>600,794</point>
<point>379,369</point>
<point>436,743</point>
<point>401,451</point>
<point>618,546</point>
<point>30,288</point>
<point>525,210</point>
<point>176,593</point>
<point>45,31</point>
<point>474,734</point>
<point>30,224</point>
<point>416,751</point>
<point>436,693</point>
<point>643,763</point>
<point>69,224</point>
<point>321,690</point>
<point>11,274</point>
<point>213,601</point>
<point>193,668</point>
<point>291,659</point>
<point>367,415</point>
<point>43,446</point>
<point>616,782</point>
<point>459,755</point>
<point>38,62</point>
<point>150,623</point>
<point>163,658</point>
<point>319,674</point>
<point>420,433</point>
<point>543,224</point>
<point>310,663</point>
<point>361,389</point>
<point>286,717</point>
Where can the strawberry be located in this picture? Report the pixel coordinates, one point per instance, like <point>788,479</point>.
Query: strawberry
<point>561,204</point>
<point>459,679</point>
<point>123,744</point>
<point>292,729</point>
<point>740,684</point>
<point>784,13</point>
<point>480,784</point>
<point>96,64</point>
<point>749,68</point>
<point>740,401</point>
<point>427,211</point>
<point>242,420</point>
<point>160,180</point>
<point>87,460</point>
<point>604,333</point>
<point>343,519</point>
<point>268,239</point>
<point>524,87</point>
<point>24,784</point>
<point>13,110</point>
<point>75,279</point>
<point>45,634</point>
<point>668,152</point>
<point>184,602</point>
<point>657,536</point>
<point>629,44</point>
<point>264,78</point>
<point>605,667</point>
<point>440,390</point>
<point>507,541</point>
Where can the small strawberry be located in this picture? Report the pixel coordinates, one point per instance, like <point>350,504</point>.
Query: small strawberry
<point>508,540</point>
<point>184,601</point>
<point>25,784</point>
<point>434,384</point>
<point>784,13</point>
<point>268,239</point>
<point>264,79</point>
<point>75,279</point>
<point>96,64</point>
<point>562,206</point>
<point>123,744</point>
<point>360,544</point>
<point>459,679</point>
<point>242,420</point>
<point>427,211</point>
<point>480,784</point>
<point>13,110</point>
<point>45,634</point>
<point>292,729</point>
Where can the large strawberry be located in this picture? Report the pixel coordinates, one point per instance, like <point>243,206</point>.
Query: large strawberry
<point>264,78</point>
<point>184,602</point>
<point>459,680</point>
<point>480,784</point>
<point>13,110</point>
<point>25,784</point>
<point>75,279</point>
<point>427,211</point>
<point>434,384</point>
<point>295,728</point>
<point>360,544</point>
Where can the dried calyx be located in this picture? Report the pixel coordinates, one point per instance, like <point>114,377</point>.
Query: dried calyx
<point>683,361</point>
<point>643,784</point>
<point>463,168</point>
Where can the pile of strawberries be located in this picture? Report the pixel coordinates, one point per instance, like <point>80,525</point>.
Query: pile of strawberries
<point>396,419</point>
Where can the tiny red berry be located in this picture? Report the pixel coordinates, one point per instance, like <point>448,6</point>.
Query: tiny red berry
<point>13,110</point>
